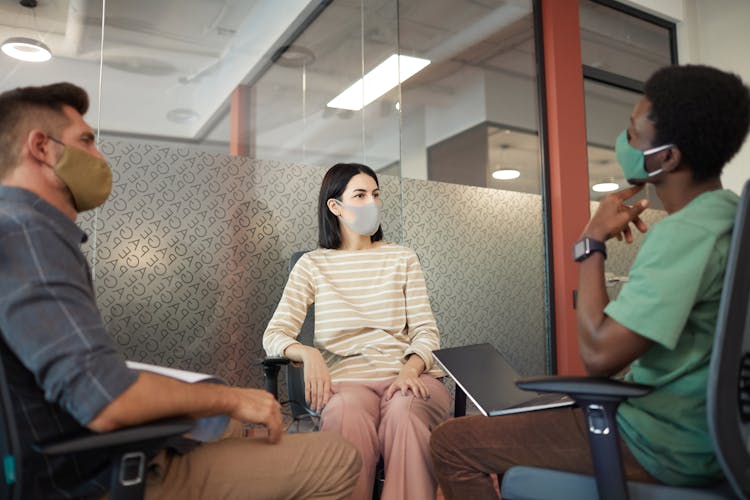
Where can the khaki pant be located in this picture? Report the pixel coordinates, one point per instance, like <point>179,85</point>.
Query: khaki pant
<point>312,465</point>
<point>467,450</point>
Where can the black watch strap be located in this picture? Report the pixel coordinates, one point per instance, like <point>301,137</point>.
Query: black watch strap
<point>586,246</point>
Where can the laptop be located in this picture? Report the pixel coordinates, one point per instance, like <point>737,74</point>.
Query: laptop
<point>489,381</point>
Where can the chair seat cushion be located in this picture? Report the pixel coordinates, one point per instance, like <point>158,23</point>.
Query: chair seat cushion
<point>532,483</point>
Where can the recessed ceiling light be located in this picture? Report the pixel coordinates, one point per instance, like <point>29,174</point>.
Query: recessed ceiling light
<point>26,49</point>
<point>295,56</point>
<point>182,115</point>
<point>605,187</point>
<point>506,174</point>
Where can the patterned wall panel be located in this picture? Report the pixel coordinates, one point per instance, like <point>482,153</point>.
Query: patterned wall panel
<point>482,253</point>
<point>192,250</point>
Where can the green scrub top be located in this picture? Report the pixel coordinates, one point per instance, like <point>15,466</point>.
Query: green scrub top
<point>672,298</point>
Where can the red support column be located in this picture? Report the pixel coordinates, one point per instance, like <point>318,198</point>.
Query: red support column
<point>242,121</point>
<point>569,195</point>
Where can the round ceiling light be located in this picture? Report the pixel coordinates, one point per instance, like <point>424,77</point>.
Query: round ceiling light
<point>506,174</point>
<point>182,115</point>
<point>605,187</point>
<point>294,56</point>
<point>26,49</point>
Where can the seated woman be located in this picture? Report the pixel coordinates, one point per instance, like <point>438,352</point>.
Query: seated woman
<point>370,374</point>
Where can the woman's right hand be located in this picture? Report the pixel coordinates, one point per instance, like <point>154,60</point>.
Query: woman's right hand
<point>318,385</point>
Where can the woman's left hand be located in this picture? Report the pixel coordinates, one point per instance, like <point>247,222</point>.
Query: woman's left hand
<point>408,380</point>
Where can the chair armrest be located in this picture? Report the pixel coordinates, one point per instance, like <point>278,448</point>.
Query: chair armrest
<point>128,436</point>
<point>275,361</point>
<point>588,387</point>
<point>271,367</point>
<point>599,399</point>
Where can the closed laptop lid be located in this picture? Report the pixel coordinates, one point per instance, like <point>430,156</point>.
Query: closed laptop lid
<point>489,380</point>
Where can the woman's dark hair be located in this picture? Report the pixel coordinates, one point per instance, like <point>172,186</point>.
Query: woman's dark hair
<point>333,186</point>
<point>705,112</point>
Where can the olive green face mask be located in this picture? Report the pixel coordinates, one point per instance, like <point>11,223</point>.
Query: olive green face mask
<point>88,178</point>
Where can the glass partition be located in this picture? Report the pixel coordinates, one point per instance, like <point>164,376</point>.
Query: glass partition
<point>623,41</point>
<point>58,41</point>
<point>296,117</point>
<point>608,112</point>
<point>472,109</point>
<point>620,49</point>
<point>219,119</point>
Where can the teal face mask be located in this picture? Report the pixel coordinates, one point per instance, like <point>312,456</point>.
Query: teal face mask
<point>632,160</point>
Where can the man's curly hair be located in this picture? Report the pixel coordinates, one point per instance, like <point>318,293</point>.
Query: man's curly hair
<point>703,111</point>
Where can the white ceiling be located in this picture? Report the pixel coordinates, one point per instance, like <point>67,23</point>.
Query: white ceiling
<point>178,56</point>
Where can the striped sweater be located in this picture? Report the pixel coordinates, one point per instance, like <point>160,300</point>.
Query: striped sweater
<point>371,311</point>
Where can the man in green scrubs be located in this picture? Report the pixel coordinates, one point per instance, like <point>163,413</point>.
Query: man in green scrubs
<point>689,124</point>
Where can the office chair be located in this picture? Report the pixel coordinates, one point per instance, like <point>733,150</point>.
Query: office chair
<point>124,446</point>
<point>296,383</point>
<point>728,407</point>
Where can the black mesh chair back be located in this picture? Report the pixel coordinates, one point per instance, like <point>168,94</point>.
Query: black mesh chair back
<point>124,448</point>
<point>729,376</point>
<point>295,379</point>
<point>10,448</point>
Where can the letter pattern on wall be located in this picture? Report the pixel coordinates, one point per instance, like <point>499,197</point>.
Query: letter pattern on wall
<point>484,262</point>
<point>192,251</point>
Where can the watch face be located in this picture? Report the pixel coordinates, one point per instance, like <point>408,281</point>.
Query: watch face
<point>579,250</point>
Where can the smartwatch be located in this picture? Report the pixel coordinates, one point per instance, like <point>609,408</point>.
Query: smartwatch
<point>586,246</point>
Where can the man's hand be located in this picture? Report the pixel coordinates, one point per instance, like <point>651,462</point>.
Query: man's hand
<point>257,406</point>
<point>318,385</point>
<point>154,396</point>
<point>613,217</point>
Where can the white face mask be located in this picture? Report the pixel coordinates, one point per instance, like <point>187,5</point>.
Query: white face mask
<point>366,217</point>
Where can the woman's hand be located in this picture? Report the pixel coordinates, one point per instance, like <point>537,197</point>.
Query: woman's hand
<point>318,386</point>
<point>408,380</point>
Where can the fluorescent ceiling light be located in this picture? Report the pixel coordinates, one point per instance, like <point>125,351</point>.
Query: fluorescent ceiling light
<point>506,174</point>
<point>26,49</point>
<point>386,75</point>
<point>605,187</point>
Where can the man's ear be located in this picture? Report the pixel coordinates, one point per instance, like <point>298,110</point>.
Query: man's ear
<point>672,159</point>
<point>38,146</point>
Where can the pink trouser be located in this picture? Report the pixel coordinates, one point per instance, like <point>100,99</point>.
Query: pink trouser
<point>398,428</point>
